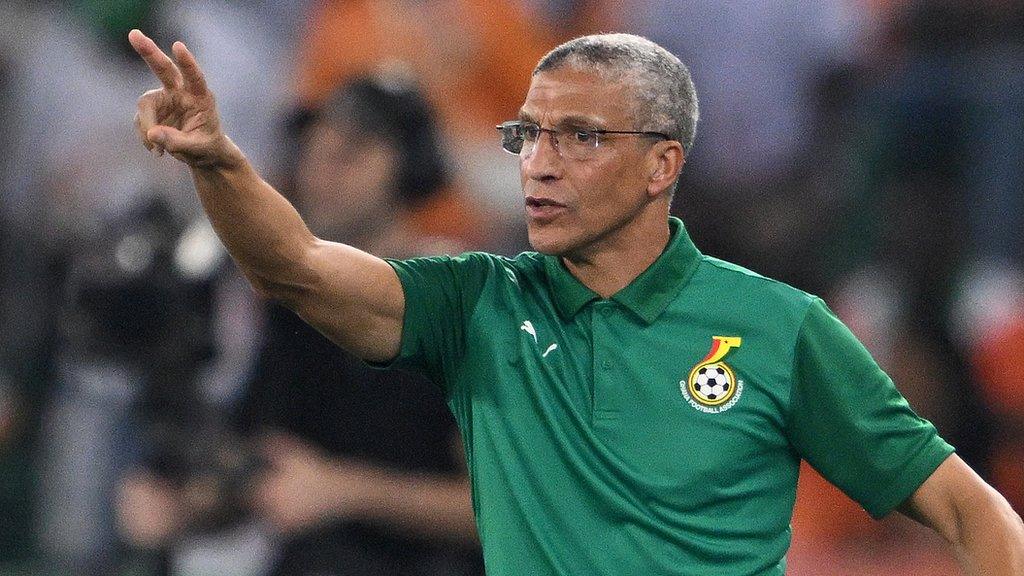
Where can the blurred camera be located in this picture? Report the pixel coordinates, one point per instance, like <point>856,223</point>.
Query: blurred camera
<point>129,297</point>
<point>142,295</point>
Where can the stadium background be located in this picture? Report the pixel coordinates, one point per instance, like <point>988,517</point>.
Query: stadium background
<point>870,151</point>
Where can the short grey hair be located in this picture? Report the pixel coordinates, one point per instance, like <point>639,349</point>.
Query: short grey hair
<point>666,98</point>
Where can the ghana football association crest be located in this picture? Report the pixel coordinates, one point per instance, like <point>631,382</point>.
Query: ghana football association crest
<point>712,386</point>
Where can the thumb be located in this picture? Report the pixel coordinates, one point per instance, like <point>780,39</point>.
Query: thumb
<point>170,139</point>
<point>190,148</point>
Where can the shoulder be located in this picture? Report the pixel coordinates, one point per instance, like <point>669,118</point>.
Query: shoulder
<point>746,287</point>
<point>470,271</point>
<point>501,268</point>
<point>524,266</point>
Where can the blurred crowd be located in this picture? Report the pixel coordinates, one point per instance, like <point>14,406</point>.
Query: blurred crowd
<point>156,418</point>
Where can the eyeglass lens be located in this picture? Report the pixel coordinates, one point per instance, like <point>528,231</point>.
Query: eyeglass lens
<point>521,138</point>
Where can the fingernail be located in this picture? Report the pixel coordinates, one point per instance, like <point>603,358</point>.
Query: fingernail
<point>159,137</point>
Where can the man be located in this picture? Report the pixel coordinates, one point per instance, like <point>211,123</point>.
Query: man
<point>628,406</point>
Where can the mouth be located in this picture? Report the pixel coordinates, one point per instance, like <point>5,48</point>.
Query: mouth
<point>539,201</point>
<point>542,209</point>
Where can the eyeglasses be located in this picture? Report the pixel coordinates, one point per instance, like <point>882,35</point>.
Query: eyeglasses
<point>520,138</point>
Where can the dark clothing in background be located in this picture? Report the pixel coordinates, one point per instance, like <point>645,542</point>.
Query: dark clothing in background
<point>307,386</point>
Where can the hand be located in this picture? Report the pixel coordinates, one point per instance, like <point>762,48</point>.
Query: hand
<point>181,117</point>
<point>148,509</point>
<point>303,488</point>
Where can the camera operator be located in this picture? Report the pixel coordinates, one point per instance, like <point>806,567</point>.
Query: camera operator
<point>363,471</point>
<point>136,330</point>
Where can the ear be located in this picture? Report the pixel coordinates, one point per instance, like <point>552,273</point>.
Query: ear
<point>665,163</point>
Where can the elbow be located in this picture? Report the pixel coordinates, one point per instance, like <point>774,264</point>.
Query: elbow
<point>290,283</point>
<point>290,295</point>
<point>266,289</point>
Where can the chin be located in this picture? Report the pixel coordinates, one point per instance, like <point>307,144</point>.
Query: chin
<point>550,242</point>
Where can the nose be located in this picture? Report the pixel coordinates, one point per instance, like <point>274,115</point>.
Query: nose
<point>544,161</point>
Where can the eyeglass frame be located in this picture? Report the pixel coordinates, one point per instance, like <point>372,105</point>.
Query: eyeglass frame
<point>555,133</point>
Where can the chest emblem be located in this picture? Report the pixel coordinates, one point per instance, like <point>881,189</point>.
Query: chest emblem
<point>527,327</point>
<point>712,386</point>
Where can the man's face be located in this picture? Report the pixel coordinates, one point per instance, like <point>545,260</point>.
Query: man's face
<point>573,207</point>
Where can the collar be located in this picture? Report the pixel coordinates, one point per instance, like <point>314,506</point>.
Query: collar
<point>647,295</point>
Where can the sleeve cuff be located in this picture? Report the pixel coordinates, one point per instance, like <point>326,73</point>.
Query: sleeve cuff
<point>914,474</point>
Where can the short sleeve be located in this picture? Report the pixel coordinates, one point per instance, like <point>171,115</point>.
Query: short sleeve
<point>440,294</point>
<point>851,424</point>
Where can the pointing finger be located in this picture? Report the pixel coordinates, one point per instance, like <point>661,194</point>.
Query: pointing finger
<point>158,62</point>
<point>195,82</point>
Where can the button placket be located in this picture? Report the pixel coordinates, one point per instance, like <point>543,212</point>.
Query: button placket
<point>605,404</point>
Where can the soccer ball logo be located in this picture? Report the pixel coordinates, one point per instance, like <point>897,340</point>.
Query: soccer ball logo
<point>712,384</point>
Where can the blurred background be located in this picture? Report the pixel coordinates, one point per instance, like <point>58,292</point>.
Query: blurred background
<point>157,418</point>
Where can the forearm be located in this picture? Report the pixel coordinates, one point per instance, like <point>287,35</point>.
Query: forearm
<point>990,539</point>
<point>985,533</point>
<point>425,504</point>
<point>261,230</point>
<point>352,297</point>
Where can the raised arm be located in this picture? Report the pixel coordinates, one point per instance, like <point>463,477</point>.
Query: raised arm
<point>352,297</point>
<point>987,536</point>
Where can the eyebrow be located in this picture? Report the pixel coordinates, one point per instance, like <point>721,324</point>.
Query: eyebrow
<point>572,121</point>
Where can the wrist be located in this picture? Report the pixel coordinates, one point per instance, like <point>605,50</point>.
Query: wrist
<point>224,156</point>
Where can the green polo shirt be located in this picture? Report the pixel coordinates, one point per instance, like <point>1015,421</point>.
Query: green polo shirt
<point>658,431</point>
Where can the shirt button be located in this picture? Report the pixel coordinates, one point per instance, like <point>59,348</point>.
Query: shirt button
<point>606,311</point>
<point>607,365</point>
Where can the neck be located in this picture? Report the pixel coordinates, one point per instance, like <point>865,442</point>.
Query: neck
<point>612,263</point>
